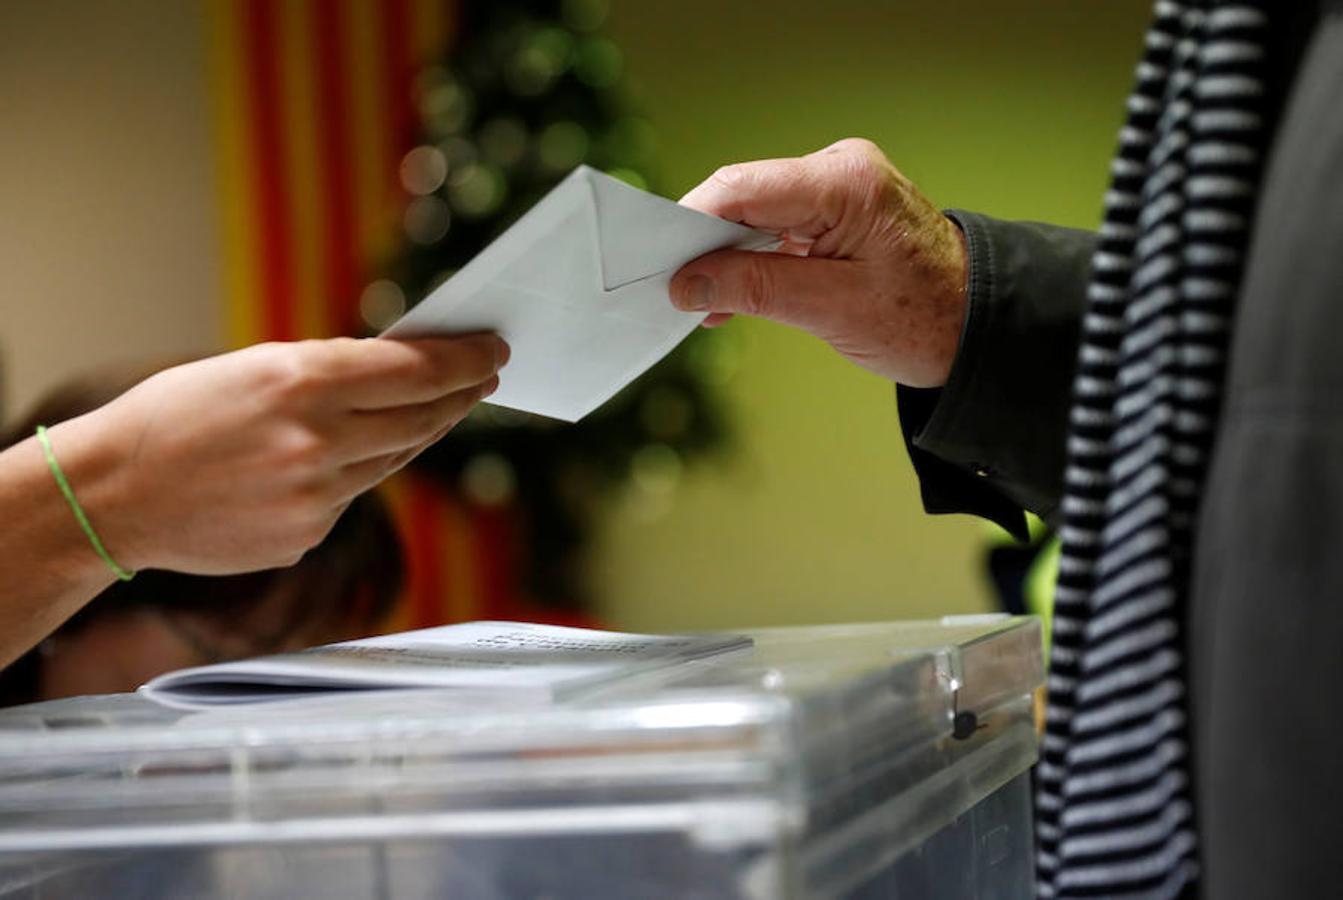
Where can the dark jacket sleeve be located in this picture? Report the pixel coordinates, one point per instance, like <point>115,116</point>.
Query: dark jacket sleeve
<point>992,440</point>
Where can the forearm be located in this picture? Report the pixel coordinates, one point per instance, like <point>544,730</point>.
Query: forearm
<point>234,463</point>
<point>48,569</point>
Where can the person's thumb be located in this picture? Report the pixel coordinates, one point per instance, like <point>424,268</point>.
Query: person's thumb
<point>793,290</point>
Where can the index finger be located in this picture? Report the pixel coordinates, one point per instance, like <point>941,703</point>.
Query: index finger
<point>798,197</point>
<point>376,373</point>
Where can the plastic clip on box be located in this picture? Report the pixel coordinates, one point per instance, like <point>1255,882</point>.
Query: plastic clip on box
<point>884,760</point>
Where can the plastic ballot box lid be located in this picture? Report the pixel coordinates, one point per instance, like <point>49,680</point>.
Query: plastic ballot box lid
<point>797,766</point>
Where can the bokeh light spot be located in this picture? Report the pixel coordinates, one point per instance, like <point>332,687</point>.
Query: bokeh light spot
<point>489,480</point>
<point>503,141</point>
<point>427,220</point>
<point>423,170</point>
<point>584,15</point>
<point>656,468</point>
<point>445,105</point>
<point>598,63</point>
<point>477,190</point>
<point>542,57</point>
<point>459,152</point>
<point>381,303</point>
<point>562,146</point>
<point>715,356</point>
<point>666,413</point>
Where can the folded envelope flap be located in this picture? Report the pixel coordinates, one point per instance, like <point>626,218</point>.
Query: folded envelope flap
<point>640,234</point>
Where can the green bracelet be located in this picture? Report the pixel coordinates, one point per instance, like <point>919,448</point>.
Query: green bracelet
<point>123,574</point>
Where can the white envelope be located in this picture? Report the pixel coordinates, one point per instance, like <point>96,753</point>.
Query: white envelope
<point>578,288</point>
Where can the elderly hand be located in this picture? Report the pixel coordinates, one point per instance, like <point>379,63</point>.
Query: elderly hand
<point>244,461</point>
<point>868,264</point>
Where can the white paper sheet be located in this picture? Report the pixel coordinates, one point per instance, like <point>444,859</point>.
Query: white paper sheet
<point>481,659</point>
<point>578,288</point>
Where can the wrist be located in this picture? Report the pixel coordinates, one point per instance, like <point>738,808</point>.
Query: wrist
<point>55,552</point>
<point>96,464</point>
<point>948,290</point>
<point>958,278</point>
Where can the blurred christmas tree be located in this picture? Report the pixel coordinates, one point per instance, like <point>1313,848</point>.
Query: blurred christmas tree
<point>529,91</point>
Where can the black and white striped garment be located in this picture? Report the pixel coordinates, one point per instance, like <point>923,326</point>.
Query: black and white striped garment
<point>1114,811</point>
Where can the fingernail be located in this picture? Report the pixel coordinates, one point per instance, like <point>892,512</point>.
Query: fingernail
<point>502,354</point>
<point>696,294</point>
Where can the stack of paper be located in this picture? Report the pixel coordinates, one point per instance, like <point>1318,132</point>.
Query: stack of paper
<point>482,659</point>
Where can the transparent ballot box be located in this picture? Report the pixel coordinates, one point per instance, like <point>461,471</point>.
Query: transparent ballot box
<point>877,760</point>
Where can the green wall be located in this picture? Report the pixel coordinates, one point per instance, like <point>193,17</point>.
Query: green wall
<point>1007,108</point>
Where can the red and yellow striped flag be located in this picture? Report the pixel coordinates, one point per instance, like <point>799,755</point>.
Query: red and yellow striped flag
<point>315,108</point>
<point>314,104</point>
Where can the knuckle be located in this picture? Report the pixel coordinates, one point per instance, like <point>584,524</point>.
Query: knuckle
<point>864,167</point>
<point>269,363</point>
<point>731,178</point>
<point>865,181</point>
<point>859,158</point>
<point>293,371</point>
<point>305,449</point>
<point>756,286</point>
<point>858,146</point>
<point>313,492</point>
